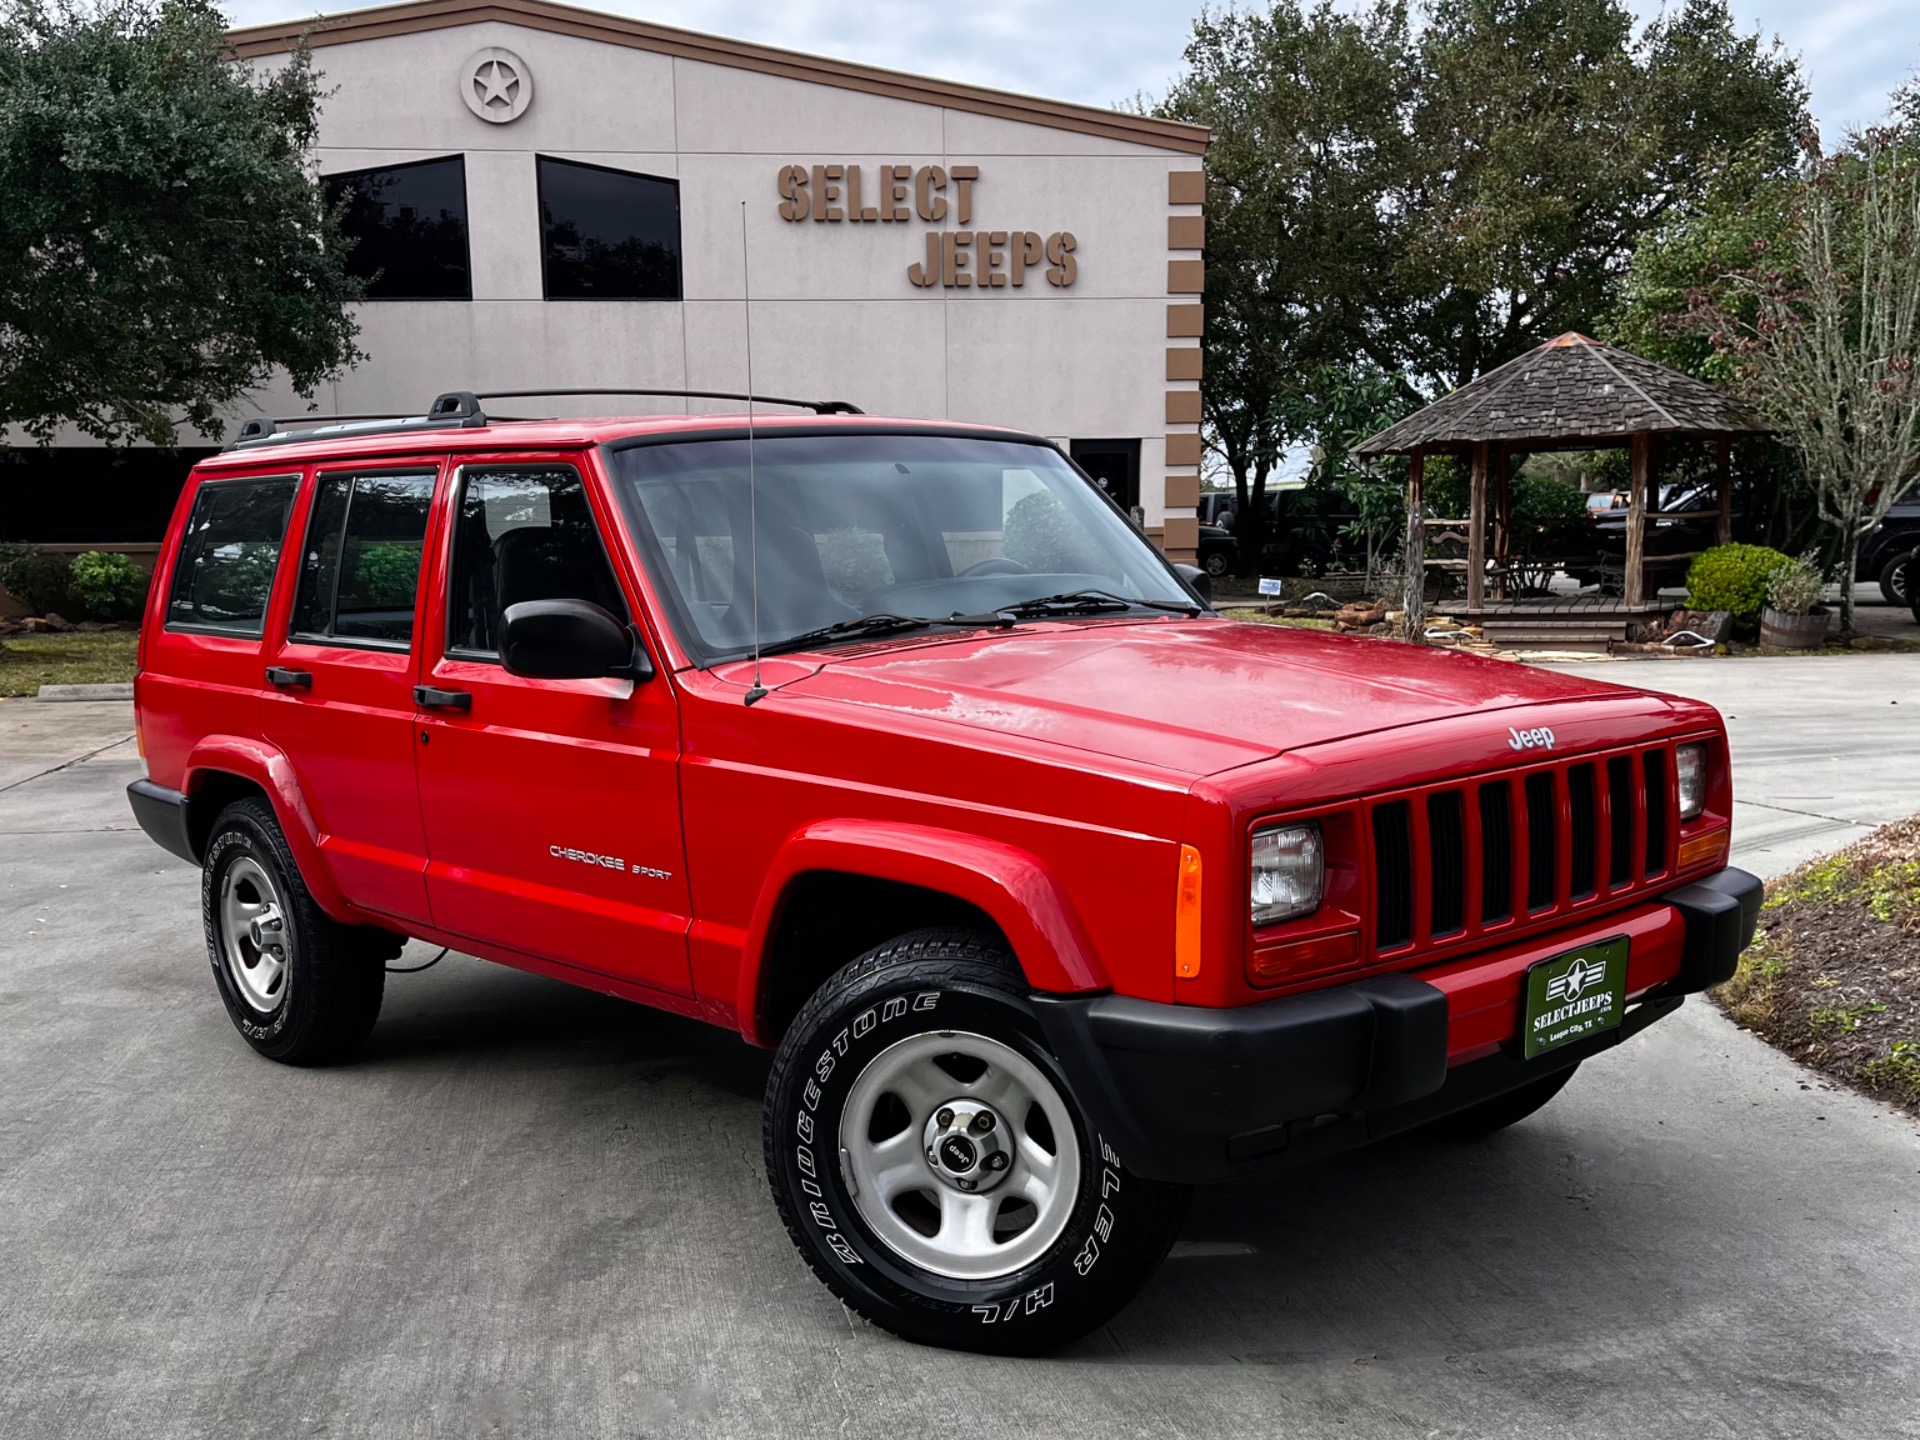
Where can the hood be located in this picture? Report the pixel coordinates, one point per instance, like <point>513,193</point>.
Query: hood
<point>1196,696</point>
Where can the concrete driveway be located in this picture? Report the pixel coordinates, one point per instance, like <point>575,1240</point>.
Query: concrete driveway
<point>532,1211</point>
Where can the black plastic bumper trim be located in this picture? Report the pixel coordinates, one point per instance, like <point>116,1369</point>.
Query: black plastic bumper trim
<point>1721,912</point>
<point>162,813</point>
<point>1197,1094</point>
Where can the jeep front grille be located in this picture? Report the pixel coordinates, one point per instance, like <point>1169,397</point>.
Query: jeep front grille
<point>1454,862</point>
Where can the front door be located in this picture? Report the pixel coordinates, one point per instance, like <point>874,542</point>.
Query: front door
<point>552,807</point>
<point>339,701</point>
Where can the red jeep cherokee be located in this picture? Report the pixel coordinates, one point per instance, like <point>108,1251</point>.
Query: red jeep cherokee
<point>1056,892</point>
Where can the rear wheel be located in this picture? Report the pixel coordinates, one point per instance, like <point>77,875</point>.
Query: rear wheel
<point>933,1167</point>
<point>1477,1122</point>
<point>300,987</point>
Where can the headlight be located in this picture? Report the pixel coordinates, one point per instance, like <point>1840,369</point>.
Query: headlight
<point>1690,779</point>
<point>1288,872</point>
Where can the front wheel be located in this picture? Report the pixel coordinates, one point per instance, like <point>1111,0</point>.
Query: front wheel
<point>1896,580</point>
<point>934,1169</point>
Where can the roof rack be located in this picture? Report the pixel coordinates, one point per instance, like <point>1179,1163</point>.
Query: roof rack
<point>461,409</point>
<point>819,407</point>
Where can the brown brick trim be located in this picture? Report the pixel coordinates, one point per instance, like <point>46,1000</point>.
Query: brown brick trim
<point>1183,450</point>
<point>1186,277</point>
<point>422,15</point>
<point>1187,187</point>
<point>1183,491</point>
<point>1186,322</point>
<point>1186,232</point>
<point>1183,362</point>
<point>1183,407</point>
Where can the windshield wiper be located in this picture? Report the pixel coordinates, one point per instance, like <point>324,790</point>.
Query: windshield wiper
<point>881,622</point>
<point>1091,602</point>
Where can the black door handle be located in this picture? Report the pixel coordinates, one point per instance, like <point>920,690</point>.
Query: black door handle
<point>428,698</point>
<point>288,679</point>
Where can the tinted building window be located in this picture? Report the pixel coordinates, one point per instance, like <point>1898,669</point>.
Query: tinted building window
<point>608,234</point>
<point>227,557</point>
<point>409,223</point>
<point>361,566</point>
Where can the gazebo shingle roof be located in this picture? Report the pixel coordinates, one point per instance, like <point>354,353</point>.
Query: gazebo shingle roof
<point>1570,389</point>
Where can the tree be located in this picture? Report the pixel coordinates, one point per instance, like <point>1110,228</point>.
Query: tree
<point>162,247</point>
<point>1825,337</point>
<point>1549,141</point>
<point>1305,108</point>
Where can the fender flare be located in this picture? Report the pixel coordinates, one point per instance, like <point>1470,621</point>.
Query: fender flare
<point>1011,885</point>
<point>268,767</point>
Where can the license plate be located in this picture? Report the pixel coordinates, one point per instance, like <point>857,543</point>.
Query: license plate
<point>1576,994</point>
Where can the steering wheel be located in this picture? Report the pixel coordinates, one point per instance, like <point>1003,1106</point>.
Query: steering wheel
<point>998,565</point>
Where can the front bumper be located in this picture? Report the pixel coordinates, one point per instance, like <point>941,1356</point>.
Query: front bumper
<point>1194,1094</point>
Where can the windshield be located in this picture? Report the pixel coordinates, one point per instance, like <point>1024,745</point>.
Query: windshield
<point>923,527</point>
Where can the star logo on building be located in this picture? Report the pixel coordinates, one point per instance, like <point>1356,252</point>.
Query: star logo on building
<point>497,85</point>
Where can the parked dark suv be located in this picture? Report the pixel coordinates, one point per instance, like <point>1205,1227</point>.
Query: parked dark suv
<point>1886,555</point>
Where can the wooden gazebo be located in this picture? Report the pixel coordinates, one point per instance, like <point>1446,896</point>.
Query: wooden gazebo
<point>1571,393</point>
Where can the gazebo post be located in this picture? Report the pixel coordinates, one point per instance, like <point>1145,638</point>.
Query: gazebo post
<point>1723,492</point>
<point>1477,532</point>
<point>1414,593</point>
<point>1502,518</point>
<point>1640,448</point>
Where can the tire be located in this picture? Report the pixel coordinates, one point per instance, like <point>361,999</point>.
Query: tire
<point>1477,1122</point>
<point>1896,579</point>
<point>889,1064</point>
<point>310,999</point>
<point>1215,564</point>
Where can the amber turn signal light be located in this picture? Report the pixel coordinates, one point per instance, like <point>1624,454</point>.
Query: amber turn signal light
<point>1709,845</point>
<point>1301,957</point>
<point>1186,916</point>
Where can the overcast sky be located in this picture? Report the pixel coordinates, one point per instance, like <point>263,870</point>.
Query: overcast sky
<point>1101,52</point>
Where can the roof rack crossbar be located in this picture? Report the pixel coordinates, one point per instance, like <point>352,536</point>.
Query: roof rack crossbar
<point>819,407</point>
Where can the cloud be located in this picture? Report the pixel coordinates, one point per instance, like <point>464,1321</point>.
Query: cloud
<point>1104,52</point>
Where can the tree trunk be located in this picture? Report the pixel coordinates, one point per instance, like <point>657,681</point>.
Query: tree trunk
<point>1849,558</point>
<point>1477,531</point>
<point>1414,594</point>
<point>1640,448</point>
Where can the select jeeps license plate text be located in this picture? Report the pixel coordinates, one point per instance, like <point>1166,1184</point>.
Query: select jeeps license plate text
<point>1574,995</point>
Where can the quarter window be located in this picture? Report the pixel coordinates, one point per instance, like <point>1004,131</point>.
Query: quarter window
<point>360,569</point>
<point>409,228</point>
<point>224,574</point>
<point>523,533</point>
<point>608,234</point>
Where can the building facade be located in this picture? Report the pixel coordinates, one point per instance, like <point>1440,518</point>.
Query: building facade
<point>557,198</point>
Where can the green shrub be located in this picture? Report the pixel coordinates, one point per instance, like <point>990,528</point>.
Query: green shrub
<point>112,587</point>
<point>1733,578</point>
<point>38,579</point>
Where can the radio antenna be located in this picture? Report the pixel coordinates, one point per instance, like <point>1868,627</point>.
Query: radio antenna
<point>758,691</point>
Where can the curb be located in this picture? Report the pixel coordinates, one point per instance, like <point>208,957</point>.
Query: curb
<point>85,692</point>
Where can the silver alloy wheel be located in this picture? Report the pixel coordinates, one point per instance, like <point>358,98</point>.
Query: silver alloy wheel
<point>961,1155</point>
<point>254,938</point>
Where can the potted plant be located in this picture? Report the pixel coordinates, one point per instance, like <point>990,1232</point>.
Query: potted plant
<point>1793,618</point>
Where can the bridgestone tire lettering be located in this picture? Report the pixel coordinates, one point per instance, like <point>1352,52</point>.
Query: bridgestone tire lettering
<point>1118,1228</point>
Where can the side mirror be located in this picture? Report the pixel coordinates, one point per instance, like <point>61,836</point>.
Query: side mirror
<point>1198,581</point>
<point>569,640</point>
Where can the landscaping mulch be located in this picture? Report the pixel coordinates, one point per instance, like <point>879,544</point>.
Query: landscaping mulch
<point>1833,977</point>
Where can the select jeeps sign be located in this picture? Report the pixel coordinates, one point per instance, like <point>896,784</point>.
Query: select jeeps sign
<point>957,259</point>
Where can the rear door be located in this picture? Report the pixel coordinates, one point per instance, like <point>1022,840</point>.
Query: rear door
<point>201,673</point>
<point>340,678</point>
<point>552,807</point>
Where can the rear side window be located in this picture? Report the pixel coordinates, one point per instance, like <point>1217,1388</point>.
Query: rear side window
<point>360,567</point>
<point>523,532</point>
<point>224,574</point>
